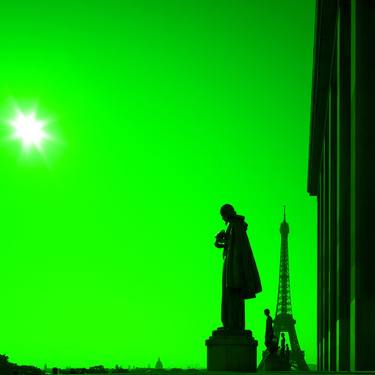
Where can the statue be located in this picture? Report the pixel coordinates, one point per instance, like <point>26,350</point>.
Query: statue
<point>270,339</point>
<point>275,358</point>
<point>240,274</point>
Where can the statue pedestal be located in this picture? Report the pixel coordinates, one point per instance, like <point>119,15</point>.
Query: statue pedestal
<point>229,350</point>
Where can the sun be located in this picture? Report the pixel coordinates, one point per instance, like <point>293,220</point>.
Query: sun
<point>29,130</point>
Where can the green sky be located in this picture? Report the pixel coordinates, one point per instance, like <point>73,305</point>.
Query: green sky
<point>160,112</point>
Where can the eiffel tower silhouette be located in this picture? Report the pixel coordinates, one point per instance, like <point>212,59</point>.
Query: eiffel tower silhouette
<point>284,321</point>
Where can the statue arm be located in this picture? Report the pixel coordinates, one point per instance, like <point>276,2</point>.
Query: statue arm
<point>219,245</point>
<point>220,240</point>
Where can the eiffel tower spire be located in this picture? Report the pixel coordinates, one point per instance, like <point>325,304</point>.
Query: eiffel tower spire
<point>284,303</point>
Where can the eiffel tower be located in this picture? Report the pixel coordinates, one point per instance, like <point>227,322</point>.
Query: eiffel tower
<point>284,321</point>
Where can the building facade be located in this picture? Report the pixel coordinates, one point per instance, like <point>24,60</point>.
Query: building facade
<point>341,174</point>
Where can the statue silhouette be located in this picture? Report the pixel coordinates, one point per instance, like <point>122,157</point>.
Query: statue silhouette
<point>270,339</point>
<point>240,274</point>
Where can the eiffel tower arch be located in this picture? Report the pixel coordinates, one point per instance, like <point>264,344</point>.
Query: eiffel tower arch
<point>284,321</point>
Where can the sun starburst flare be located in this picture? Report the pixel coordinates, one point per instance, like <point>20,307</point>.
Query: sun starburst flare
<point>29,129</point>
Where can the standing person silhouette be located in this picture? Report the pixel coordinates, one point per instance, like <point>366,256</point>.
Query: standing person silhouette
<point>282,343</point>
<point>240,274</point>
<point>287,353</point>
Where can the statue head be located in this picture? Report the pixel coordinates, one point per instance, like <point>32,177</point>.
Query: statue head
<point>267,312</point>
<point>227,212</point>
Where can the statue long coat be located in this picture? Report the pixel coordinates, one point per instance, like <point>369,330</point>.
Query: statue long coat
<point>240,271</point>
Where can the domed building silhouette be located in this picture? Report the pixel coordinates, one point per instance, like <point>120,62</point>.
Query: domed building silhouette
<point>159,364</point>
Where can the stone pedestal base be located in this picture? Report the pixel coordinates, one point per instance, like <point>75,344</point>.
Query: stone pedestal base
<point>229,350</point>
<point>276,362</point>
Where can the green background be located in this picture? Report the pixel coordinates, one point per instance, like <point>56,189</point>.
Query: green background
<point>161,111</point>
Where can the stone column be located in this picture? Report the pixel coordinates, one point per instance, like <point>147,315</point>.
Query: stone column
<point>362,185</point>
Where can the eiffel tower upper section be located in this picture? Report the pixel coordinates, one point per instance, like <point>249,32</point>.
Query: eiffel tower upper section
<point>284,303</point>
